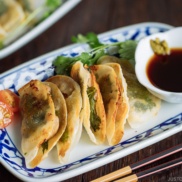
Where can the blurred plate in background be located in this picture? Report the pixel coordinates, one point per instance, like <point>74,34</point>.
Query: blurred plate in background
<point>65,7</point>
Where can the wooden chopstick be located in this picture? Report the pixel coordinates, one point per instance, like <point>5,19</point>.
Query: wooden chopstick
<point>151,171</point>
<point>156,157</point>
<point>129,169</point>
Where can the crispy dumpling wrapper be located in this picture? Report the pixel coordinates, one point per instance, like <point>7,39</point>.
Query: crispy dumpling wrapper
<point>123,107</point>
<point>111,93</point>
<point>71,92</point>
<point>61,113</point>
<point>82,77</point>
<point>93,112</point>
<point>143,104</point>
<point>40,123</point>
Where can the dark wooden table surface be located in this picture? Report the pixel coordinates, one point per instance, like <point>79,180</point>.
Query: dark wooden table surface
<point>100,16</point>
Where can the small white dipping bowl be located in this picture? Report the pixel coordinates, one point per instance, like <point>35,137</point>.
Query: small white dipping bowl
<point>144,53</point>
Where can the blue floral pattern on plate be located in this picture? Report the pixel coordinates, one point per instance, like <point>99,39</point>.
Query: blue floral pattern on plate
<point>42,69</point>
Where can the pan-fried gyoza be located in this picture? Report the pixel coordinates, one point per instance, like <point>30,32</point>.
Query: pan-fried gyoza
<point>93,112</point>
<point>44,119</point>
<point>71,92</point>
<point>123,105</point>
<point>112,90</point>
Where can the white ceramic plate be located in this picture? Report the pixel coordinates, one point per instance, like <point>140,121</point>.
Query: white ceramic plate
<point>86,156</point>
<point>27,37</point>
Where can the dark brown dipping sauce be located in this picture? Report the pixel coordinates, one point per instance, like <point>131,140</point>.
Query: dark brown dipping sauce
<point>165,72</point>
